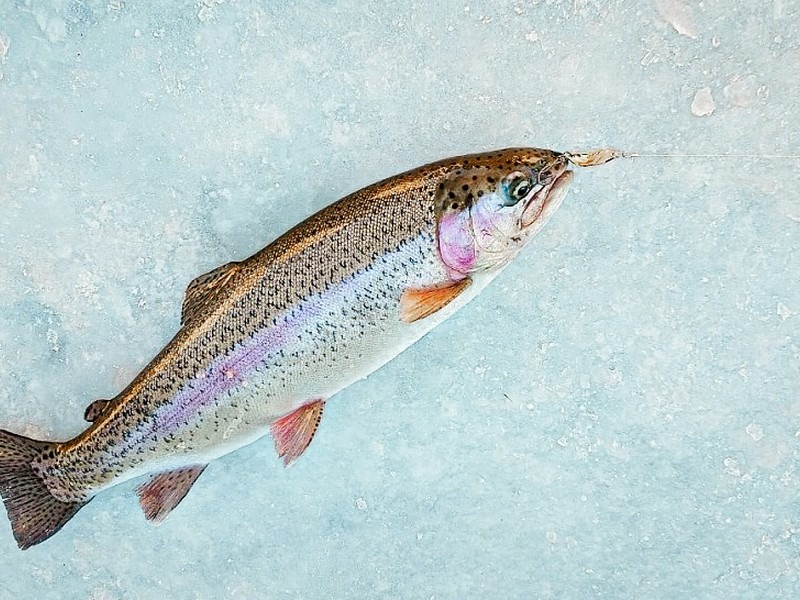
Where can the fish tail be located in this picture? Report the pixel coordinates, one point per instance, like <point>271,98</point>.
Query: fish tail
<point>34,512</point>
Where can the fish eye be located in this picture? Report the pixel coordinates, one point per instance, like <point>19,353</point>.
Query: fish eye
<point>517,190</point>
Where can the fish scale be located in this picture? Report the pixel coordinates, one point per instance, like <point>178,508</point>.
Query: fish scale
<point>264,342</point>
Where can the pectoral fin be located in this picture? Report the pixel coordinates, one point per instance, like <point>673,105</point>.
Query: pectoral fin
<point>416,304</point>
<point>164,491</point>
<point>294,432</point>
<point>203,289</point>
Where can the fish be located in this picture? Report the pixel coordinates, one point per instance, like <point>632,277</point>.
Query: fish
<point>266,341</point>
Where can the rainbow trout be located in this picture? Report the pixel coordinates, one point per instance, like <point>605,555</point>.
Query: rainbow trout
<point>266,341</point>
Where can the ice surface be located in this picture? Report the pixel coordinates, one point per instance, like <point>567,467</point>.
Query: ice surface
<point>678,14</point>
<point>617,416</point>
<point>703,103</point>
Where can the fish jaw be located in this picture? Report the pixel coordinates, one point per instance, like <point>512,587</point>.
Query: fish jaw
<point>545,203</point>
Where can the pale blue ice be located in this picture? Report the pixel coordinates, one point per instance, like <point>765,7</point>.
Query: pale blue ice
<point>617,416</point>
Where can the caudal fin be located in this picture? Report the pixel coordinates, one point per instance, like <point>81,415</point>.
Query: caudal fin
<point>35,514</point>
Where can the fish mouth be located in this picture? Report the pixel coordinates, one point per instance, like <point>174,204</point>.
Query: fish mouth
<point>544,203</point>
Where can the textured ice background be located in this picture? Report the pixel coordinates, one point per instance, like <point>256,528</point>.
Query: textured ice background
<point>616,417</point>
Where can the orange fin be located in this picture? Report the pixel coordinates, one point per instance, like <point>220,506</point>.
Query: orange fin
<point>95,409</point>
<point>164,491</point>
<point>203,289</point>
<point>416,304</point>
<point>294,432</point>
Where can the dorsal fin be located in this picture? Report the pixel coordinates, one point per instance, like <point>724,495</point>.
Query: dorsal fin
<point>95,409</point>
<point>203,289</point>
<point>164,491</point>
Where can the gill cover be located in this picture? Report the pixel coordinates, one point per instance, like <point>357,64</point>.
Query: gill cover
<point>489,208</point>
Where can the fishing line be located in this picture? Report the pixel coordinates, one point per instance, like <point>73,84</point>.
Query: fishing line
<point>601,156</point>
<point>623,154</point>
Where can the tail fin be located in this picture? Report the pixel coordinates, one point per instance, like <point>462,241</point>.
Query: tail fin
<point>35,514</point>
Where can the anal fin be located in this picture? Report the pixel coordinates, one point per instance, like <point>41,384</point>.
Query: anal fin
<point>164,491</point>
<point>294,432</point>
<point>416,304</point>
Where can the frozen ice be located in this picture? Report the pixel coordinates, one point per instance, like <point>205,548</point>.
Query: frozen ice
<point>617,416</point>
<point>703,103</point>
<point>678,14</point>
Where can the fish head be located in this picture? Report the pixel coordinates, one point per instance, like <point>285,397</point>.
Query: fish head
<point>490,205</point>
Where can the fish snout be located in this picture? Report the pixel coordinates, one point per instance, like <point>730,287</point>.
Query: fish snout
<point>552,170</point>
